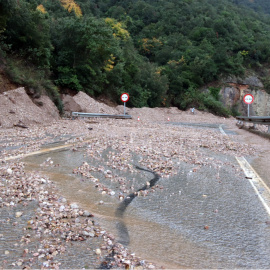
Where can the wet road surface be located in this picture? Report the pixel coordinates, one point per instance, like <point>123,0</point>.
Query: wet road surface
<point>210,218</point>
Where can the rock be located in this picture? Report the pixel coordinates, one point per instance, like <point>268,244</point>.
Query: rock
<point>74,206</point>
<point>62,208</point>
<point>18,214</point>
<point>87,214</point>
<point>43,181</point>
<point>98,251</point>
<point>252,81</point>
<point>6,252</point>
<point>9,171</point>
<point>70,105</point>
<point>85,233</point>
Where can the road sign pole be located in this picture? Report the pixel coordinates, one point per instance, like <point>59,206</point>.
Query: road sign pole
<point>125,98</point>
<point>248,99</point>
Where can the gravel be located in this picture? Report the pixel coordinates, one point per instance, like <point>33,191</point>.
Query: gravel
<point>149,140</point>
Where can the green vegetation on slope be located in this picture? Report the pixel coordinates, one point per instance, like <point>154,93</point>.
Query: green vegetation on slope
<point>160,52</point>
<point>258,5</point>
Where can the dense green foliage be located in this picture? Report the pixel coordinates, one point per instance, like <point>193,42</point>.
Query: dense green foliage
<point>160,52</point>
<point>258,5</point>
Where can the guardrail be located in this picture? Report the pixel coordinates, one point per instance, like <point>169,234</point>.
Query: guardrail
<point>101,115</point>
<point>260,120</point>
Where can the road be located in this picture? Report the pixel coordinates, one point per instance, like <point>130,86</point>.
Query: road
<point>210,218</point>
<point>206,213</point>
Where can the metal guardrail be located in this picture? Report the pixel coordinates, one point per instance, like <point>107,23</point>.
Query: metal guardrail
<point>101,115</point>
<point>263,120</point>
<point>260,120</point>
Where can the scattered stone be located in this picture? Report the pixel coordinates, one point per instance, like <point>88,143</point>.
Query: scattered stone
<point>87,214</point>
<point>74,206</point>
<point>18,214</point>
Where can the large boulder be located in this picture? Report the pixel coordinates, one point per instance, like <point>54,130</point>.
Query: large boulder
<point>84,103</point>
<point>70,105</point>
<point>250,80</point>
<point>232,96</point>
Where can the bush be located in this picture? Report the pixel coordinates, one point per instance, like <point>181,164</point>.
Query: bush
<point>37,81</point>
<point>214,91</point>
<point>215,106</point>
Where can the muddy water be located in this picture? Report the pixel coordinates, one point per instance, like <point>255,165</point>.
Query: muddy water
<point>168,226</point>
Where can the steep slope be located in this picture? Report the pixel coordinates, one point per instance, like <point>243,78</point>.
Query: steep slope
<point>161,52</point>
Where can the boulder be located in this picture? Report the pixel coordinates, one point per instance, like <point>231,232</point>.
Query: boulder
<point>84,103</point>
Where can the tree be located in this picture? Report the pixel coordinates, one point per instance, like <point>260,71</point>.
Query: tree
<point>27,31</point>
<point>82,49</point>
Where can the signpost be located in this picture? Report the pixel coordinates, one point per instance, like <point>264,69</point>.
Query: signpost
<point>248,99</point>
<point>125,98</point>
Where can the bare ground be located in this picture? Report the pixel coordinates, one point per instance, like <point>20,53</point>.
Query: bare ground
<point>149,133</point>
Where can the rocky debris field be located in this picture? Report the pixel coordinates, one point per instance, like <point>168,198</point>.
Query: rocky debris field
<point>52,222</point>
<point>39,224</point>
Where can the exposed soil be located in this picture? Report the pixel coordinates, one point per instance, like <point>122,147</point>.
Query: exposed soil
<point>5,84</point>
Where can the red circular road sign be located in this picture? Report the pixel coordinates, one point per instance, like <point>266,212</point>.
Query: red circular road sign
<point>248,99</point>
<point>125,97</point>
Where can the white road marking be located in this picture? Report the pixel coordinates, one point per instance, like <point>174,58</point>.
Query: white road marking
<point>222,130</point>
<point>42,151</point>
<point>261,189</point>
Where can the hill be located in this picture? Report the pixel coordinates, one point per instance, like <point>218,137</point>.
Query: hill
<point>257,5</point>
<point>161,52</point>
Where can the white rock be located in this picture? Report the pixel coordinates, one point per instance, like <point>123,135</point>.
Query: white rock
<point>86,214</point>
<point>74,206</point>
<point>18,214</point>
<point>85,233</point>
<point>98,251</point>
<point>43,181</point>
<point>9,171</point>
<point>62,208</point>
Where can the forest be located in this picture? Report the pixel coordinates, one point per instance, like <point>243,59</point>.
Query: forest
<point>161,52</point>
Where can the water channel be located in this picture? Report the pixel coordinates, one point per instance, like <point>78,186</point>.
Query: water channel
<point>196,220</point>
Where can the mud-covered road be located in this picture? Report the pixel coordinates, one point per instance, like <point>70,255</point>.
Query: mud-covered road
<point>127,193</point>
